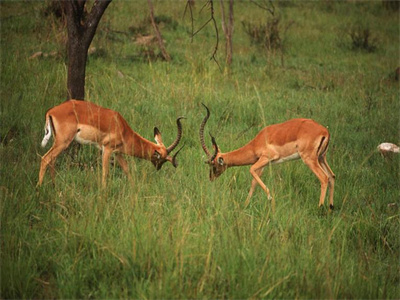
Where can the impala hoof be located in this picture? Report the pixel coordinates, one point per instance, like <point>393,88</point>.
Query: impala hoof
<point>330,206</point>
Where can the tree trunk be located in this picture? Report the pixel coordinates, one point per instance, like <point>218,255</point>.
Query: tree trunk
<point>81,29</point>
<point>77,56</point>
<point>229,45</point>
<point>158,34</point>
<point>228,31</point>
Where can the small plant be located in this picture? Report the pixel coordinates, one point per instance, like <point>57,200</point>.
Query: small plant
<point>391,5</point>
<point>143,28</point>
<point>266,34</point>
<point>55,8</point>
<point>362,38</point>
<point>166,21</point>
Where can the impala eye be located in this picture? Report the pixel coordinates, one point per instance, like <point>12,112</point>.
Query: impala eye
<point>157,154</point>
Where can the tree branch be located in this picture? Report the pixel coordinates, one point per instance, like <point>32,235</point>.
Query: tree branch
<point>189,5</point>
<point>271,11</point>
<point>217,34</point>
<point>97,11</point>
<point>211,19</point>
<point>158,34</point>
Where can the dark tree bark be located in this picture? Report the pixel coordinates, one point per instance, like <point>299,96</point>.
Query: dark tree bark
<point>81,29</point>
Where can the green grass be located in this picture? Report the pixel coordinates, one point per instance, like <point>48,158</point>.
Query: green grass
<point>174,234</point>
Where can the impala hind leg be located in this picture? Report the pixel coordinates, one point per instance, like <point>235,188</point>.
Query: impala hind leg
<point>331,175</point>
<point>49,159</point>
<point>53,171</point>
<point>314,165</point>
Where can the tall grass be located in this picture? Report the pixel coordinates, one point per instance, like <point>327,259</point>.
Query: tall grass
<point>174,234</point>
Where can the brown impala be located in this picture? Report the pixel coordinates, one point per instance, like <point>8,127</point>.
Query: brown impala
<point>88,123</point>
<point>293,139</point>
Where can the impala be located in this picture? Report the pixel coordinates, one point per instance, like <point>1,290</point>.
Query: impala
<point>88,123</point>
<point>293,139</point>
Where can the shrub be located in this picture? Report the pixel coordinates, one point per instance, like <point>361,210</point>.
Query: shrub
<point>393,5</point>
<point>357,36</point>
<point>362,38</point>
<point>266,34</point>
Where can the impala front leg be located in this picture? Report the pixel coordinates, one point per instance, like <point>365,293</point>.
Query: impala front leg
<point>124,165</point>
<point>105,162</point>
<point>253,186</point>
<point>256,171</point>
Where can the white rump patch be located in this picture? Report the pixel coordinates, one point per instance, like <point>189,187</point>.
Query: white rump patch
<point>287,158</point>
<point>47,134</point>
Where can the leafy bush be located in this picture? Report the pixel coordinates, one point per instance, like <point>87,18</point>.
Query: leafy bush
<point>393,5</point>
<point>362,38</point>
<point>265,34</point>
<point>357,36</point>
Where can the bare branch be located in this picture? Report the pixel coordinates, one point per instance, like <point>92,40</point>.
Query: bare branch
<point>158,34</point>
<point>189,5</point>
<point>271,11</point>
<point>223,16</point>
<point>210,3</point>
<point>204,25</point>
<point>217,34</point>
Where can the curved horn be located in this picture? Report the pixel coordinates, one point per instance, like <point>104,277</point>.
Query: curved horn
<point>179,136</point>
<point>174,162</point>
<point>216,149</point>
<point>203,144</point>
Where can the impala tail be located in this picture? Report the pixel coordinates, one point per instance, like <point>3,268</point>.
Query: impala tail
<point>47,131</point>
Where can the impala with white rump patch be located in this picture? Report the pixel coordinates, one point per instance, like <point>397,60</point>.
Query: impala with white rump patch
<point>278,143</point>
<point>88,123</point>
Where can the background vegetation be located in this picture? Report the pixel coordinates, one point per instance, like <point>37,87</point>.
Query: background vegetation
<point>174,234</point>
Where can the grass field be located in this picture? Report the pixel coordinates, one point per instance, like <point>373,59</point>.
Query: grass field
<point>173,233</point>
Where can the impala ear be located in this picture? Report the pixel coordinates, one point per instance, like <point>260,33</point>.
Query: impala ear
<point>221,161</point>
<point>157,136</point>
<point>214,144</point>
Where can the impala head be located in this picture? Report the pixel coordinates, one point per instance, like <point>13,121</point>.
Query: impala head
<point>215,160</point>
<point>161,153</point>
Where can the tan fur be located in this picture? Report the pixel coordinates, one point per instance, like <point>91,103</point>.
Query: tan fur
<point>88,123</point>
<point>296,138</point>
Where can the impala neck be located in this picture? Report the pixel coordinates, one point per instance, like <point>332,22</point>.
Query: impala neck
<point>139,147</point>
<point>240,157</point>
